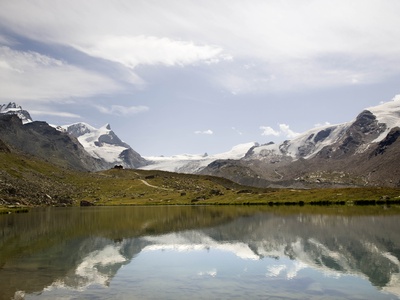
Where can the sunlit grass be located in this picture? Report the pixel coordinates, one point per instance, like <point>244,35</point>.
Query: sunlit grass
<point>139,187</point>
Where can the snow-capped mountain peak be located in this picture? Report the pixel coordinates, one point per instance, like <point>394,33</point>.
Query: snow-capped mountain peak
<point>104,144</point>
<point>14,109</point>
<point>373,124</point>
<point>78,129</point>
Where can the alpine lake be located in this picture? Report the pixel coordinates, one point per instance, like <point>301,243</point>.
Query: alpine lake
<point>201,252</point>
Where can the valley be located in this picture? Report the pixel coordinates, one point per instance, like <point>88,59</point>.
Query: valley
<point>354,163</point>
<point>26,182</point>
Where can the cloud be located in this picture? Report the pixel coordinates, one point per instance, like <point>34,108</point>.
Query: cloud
<point>30,75</point>
<point>119,110</point>
<point>132,51</point>
<point>284,44</point>
<point>206,132</point>
<point>284,130</point>
<point>54,113</point>
<point>267,130</point>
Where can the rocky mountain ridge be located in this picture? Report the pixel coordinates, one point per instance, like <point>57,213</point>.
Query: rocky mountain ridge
<point>43,141</point>
<point>14,109</point>
<point>362,152</point>
<point>84,147</point>
<point>365,151</point>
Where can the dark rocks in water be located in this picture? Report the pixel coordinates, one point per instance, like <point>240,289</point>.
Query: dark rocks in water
<point>86,203</point>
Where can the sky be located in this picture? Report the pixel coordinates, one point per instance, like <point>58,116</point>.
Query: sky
<point>189,76</point>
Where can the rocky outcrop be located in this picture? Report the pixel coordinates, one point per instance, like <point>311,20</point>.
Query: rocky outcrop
<point>41,140</point>
<point>13,109</point>
<point>391,138</point>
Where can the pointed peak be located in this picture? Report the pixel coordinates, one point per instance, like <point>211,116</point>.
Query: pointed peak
<point>13,105</point>
<point>14,108</point>
<point>107,126</point>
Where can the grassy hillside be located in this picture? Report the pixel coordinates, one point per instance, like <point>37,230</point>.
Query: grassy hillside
<point>27,181</point>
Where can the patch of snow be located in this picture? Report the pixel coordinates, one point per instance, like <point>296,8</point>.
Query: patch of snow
<point>100,143</point>
<point>388,113</point>
<point>291,148</point>
<point>192,163</point>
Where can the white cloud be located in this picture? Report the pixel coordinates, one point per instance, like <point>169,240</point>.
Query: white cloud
<point>30,75</point>
<point>119,110</point>
<point>206,132</point>
<point>284,44</point>
<point>284,131</point>
<point>132,51</point>
<point>267,131</point>
<point>54,113</point>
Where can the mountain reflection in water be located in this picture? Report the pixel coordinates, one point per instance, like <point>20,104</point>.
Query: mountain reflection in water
<point>197,252</point>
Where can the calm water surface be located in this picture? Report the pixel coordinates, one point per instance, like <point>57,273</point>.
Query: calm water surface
<point>198,253</point>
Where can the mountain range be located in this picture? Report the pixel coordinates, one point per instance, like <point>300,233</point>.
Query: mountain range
<point>361,152</point>
<point>78,146</point>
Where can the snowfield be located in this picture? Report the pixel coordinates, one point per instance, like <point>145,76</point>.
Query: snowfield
<point>192,163</point>
<point>100,143</point>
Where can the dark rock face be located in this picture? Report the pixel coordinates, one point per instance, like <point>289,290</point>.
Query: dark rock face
<point>77,130</point>
<point>112,139</point>
<point>4,147</point>
<point>363,130</point>
<point>132,159</point>
<point>391,138</point>
<point>366,122</point>
<point>322,135</point>
<point>42,140</point>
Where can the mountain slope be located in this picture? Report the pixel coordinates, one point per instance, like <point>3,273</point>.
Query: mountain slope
<point>365,151</point>
<point>105,145</point>
<point>41,140</point>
